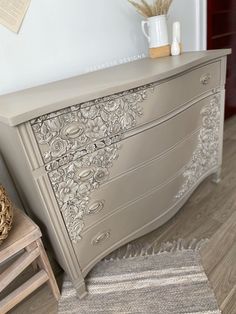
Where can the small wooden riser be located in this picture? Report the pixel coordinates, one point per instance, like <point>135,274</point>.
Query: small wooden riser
<point>17,267</point>
<point>23,291</point>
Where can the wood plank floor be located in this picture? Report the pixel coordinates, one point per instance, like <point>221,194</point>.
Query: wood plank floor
<point>209,213</point>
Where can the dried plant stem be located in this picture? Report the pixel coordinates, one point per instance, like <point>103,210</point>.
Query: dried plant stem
<point>147,6</point>
<point>139,8</point>
<point>159,7</point>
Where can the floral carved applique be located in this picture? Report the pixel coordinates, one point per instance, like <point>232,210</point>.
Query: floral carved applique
<point>80,144</point>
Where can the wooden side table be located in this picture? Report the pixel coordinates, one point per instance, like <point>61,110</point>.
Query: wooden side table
<point>25,236</point>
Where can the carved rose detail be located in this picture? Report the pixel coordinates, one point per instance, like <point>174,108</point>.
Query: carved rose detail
<point>112,105</point>
<point>98,121</point>
<point>74,182</point>
<point>54,124</point>
<point>205,157</point>
<point>67,190</point>
<point>58,147</point>
<point>96,128</point>
<point>90,112</point>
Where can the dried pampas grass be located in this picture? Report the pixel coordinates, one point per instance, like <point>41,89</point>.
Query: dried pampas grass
<point>159,7</point>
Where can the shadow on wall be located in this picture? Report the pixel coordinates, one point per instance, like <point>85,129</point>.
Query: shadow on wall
<point>7,182</point>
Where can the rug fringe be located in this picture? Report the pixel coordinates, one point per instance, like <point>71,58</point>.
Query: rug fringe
<point>134,250</point>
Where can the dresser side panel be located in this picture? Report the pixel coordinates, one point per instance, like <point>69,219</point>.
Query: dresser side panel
<point>19,168</point>
<point>222,107</point>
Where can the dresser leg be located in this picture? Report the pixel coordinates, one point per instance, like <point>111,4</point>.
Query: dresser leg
<point>216,177</point>
<point>81,289</point>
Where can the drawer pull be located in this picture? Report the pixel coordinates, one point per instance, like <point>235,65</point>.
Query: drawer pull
<point>101,237</point>
<point>101,175</point>
<point>85,174</point>
<point>95,207</point>
<point>205,78</point>
<point>72,131</point>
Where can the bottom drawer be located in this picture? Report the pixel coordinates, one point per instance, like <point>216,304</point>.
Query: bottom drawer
<point>124,222</point>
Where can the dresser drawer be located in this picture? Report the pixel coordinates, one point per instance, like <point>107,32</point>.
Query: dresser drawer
<point>130,186</point>
<point>166,97</point>
<point>100,238</point>
<point>89,126</point>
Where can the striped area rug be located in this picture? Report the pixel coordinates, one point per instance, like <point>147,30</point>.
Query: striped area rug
<point>145,281</point>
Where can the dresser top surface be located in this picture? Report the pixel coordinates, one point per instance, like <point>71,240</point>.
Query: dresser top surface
<point>21,106</point>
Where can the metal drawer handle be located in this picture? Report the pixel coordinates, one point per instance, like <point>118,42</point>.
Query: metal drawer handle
<point>101,237</point>
<point>205,78</point>
<point>72,131</point>
<point>85,174</point>
<point>96,207</point>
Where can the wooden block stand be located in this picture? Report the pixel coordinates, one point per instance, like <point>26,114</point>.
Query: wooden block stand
<point>159,52</point>
<point>25,235</point>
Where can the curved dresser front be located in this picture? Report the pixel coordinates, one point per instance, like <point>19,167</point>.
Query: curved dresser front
<point>101,172</point>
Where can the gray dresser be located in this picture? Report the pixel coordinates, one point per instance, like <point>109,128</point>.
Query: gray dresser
<point>103,158</point>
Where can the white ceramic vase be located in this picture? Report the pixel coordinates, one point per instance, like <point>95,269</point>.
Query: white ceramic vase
<point>156,32</point>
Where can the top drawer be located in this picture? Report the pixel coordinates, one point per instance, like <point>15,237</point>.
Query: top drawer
<point>92,125</point>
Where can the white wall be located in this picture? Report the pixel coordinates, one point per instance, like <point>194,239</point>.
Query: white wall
<point>7,182</point>
<point>192,14</point>
<point>61,38</point>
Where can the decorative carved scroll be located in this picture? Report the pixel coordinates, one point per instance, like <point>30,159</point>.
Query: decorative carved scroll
<point>82,144</point>
<point>206,155</point>
<point>73,184</point>
<point>89,126</point>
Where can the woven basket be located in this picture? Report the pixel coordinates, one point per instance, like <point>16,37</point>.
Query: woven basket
<point>6,214</point>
